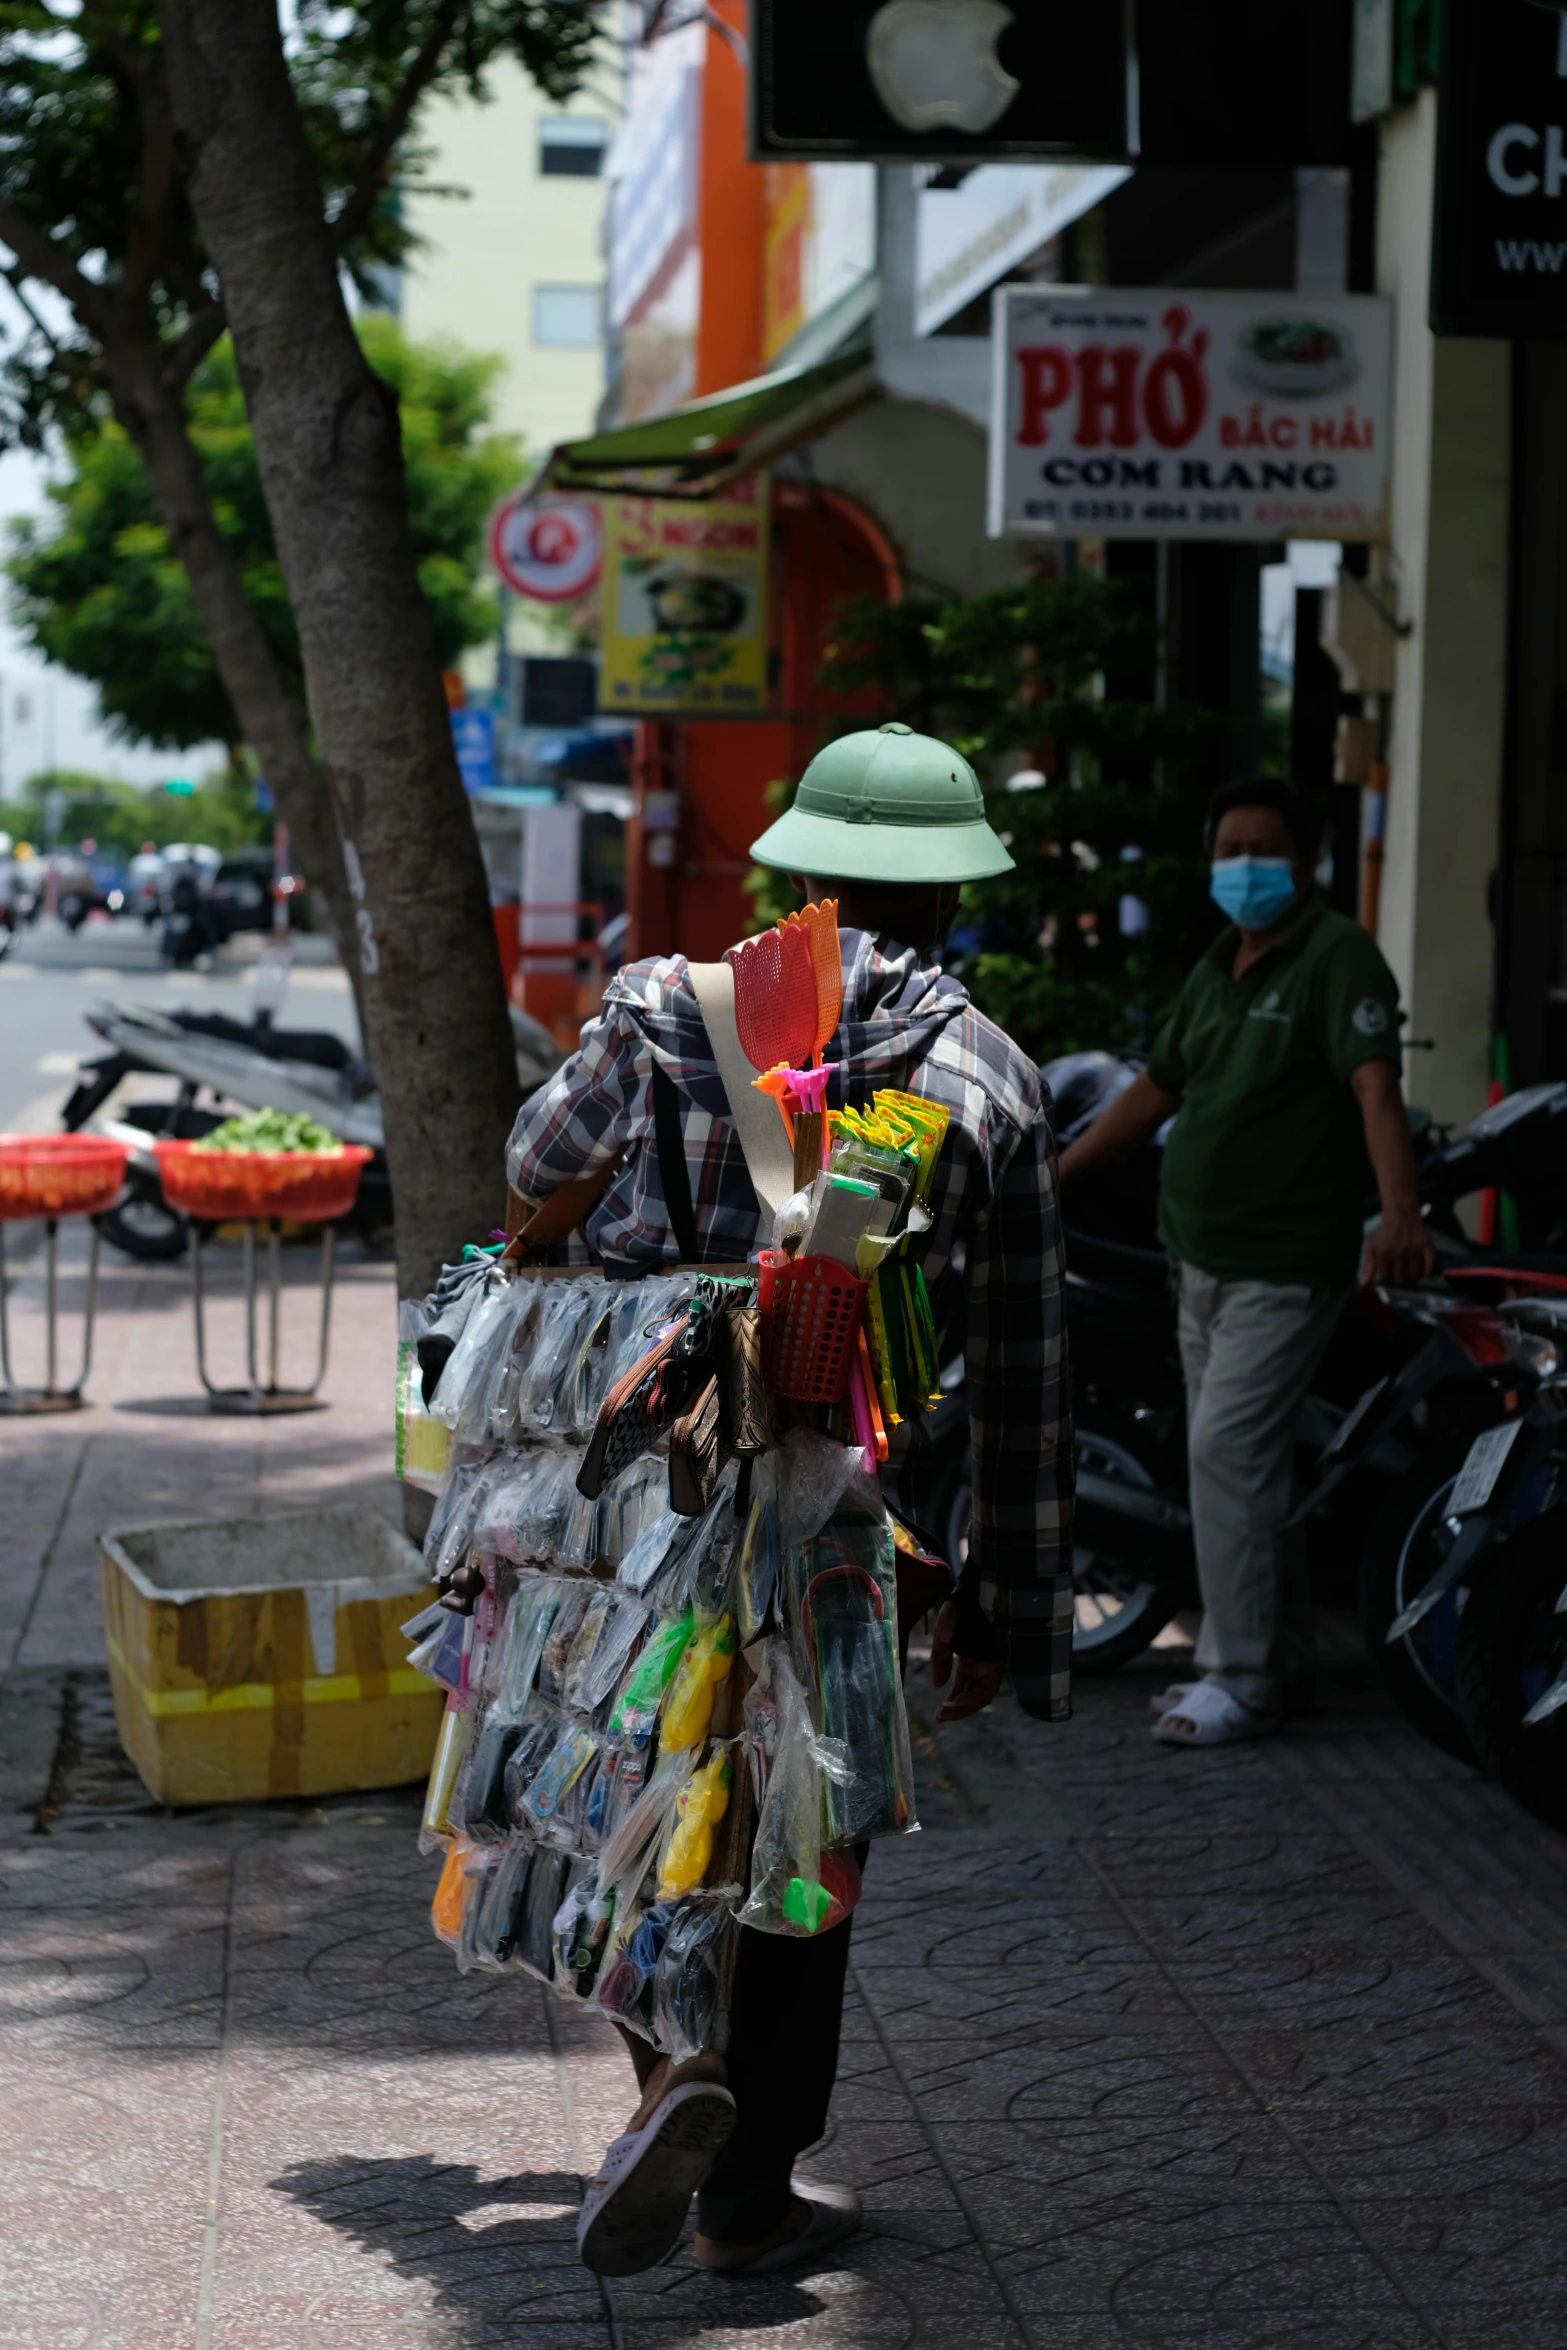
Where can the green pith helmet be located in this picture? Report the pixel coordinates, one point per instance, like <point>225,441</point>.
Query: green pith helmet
<point>887,805</point>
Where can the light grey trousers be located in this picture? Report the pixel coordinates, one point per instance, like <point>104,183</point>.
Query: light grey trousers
<point>1248,1351</point>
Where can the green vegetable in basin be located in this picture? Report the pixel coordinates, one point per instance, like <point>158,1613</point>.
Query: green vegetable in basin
<point>269,1130</point>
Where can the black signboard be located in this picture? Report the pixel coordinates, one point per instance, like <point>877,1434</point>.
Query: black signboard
<point>1253,84</point>
<point>942,80</point>
<point>1499,245</point>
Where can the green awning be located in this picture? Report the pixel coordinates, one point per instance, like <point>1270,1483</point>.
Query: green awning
<point>696,451</point>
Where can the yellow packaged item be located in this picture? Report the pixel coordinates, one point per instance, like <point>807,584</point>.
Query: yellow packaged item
<point>701,1804</point>
<point>689,1706</point>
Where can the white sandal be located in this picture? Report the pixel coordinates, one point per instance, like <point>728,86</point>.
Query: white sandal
<point>1168,1699</point>
<point>1209,1716</point>
<point>634,2211</point>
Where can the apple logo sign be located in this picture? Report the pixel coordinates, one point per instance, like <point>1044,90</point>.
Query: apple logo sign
<point>934,63</point>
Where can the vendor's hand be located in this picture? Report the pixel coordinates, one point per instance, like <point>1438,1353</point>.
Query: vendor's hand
<point>1399,1250</point>
<point>975,1681</point>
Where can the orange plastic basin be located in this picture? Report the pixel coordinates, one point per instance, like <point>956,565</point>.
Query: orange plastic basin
<point>59,1174</point>
<point>221,1186</point>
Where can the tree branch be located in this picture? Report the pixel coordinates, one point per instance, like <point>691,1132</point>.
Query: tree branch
<point>40,257</point>
<point>184,355</point>
<point>361,201</point>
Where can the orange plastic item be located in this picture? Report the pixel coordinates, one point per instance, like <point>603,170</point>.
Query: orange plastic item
<point>222,1187</point>
<point>820,925</point>
<point>59,1174</point>
<point>810,1310</point>
<point>451,1894</point>
<point>872,1399</point>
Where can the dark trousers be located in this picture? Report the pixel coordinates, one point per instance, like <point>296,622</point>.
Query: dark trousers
<point>785,2016</point>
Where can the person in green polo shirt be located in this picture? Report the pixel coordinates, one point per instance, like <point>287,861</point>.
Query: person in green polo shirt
<point>1280,1066</point>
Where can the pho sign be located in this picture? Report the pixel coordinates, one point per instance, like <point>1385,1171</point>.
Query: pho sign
<point>1165,414</point>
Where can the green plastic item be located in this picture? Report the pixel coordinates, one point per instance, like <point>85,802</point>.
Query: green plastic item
<point>886,805</point>
<point>806,1903</point>
<point>637,1709</point>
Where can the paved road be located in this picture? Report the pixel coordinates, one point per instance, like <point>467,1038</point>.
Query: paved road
<point>50,979</point>
<point>1257,2050</point>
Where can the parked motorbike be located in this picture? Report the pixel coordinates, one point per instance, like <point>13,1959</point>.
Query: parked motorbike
<point>1401,1393</point>
<point>254,1065</point>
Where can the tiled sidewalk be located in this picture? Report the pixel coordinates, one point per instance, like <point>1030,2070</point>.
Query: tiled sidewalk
<point>1264,2050</point>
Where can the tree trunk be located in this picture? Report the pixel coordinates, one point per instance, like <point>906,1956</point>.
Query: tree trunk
<point>330,457</point>
<point>154,416</point>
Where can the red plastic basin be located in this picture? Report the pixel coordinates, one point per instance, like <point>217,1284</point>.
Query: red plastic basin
<point>309,1187</point>
<point>59,1174</point>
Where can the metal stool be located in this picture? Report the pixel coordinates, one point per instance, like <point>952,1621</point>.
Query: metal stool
<point>261,1395</point>
<point>51,1397</point>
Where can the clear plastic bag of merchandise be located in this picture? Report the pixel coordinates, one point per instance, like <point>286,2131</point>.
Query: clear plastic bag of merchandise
<point>547,1808</point>
<point>528,1622</point>
<point>810,1474</point>
<point>482,1869</point>
<point>686,1855</point>
<point>695,1567</point>
<point>460,1398</point>
<point>540,1730</point>
<point>630,1964</point>
<point>631,1506</point>
<point>798,1886</point>
<point>645,1558</point>
<point>458,1887</point>
<point>585,1374</point>
<point>686,1978</point>
<point>479,1806</point>
<point>641,1826</point>
<point>576,1596</point>
<point>581,1931</point>
<point>646,1684</point>
<point>439,1638</point>
<point>510,1362</point>
<point>578,1542</point>
<point>546,1890</point>
<point>843,1612</point>
<point>610,1630</point>
<point>546,1401</point>
<point>757,1555</point>
<point>498,1928</point>
<point>456,1735</point>
<point>623,1774</point>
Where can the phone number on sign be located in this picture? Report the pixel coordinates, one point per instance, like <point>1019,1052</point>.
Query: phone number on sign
<point>1089,510</point>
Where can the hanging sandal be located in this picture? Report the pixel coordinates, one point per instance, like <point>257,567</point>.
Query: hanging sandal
<point>1209,1716</point>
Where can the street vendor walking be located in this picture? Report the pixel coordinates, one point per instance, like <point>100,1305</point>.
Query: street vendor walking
<point>890,824</point>
<point>1280,1066</point>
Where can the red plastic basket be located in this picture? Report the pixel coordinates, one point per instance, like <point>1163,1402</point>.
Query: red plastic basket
<point>59,1174</point>
<point>810,1325</point>
<point>308,1187</point>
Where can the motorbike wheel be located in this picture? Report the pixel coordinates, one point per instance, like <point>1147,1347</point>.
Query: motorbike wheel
<point>1512,1644</point>
<point>141,1223</point>
<point>1120,1610</point>
<point>1406,1542</point>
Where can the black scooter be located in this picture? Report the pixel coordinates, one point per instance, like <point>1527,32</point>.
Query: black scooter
<point>1398,1387</point>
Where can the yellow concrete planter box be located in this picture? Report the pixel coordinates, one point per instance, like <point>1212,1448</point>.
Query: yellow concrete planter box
<point>262,1657</point>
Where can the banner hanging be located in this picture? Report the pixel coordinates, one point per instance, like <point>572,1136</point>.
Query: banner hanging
<point>685,604</point>
<point>1156,413</point>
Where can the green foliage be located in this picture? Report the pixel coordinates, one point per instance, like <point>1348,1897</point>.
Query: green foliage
<point>98,589</point>
<point>1061,671</point>
<point>123,817</point>
<point>87,162</point>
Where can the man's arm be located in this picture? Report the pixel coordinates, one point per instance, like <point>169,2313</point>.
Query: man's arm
<point>1019,1576</point>
<point>1132,1118</point>
<point>1400,1248</point>
<point>582,1115</point>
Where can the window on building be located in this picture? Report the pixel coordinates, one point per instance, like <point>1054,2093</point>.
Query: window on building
<point>569,318</point>
<point>571,146</point>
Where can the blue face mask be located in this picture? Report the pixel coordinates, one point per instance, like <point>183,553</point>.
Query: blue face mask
<point>1253,891</point>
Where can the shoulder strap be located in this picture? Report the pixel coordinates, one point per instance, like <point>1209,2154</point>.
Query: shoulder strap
<point>768,1158</point>
<point>674,1171</point>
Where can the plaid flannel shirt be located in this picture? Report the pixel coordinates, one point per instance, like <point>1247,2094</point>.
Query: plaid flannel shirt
<point>995,1233</point>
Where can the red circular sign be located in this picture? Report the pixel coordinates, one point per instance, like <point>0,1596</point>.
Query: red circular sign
<point>550,549</point>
